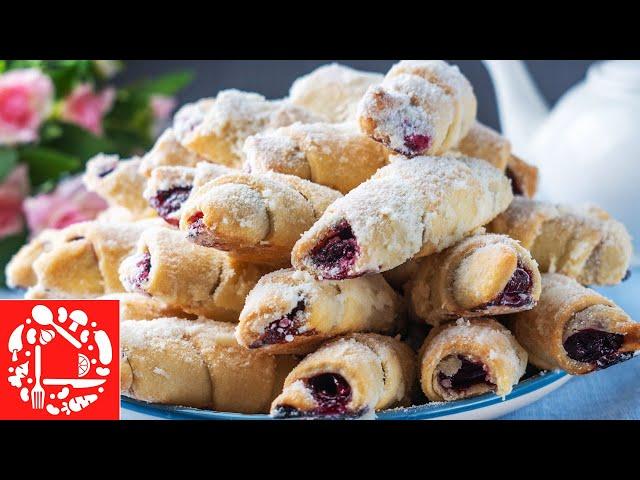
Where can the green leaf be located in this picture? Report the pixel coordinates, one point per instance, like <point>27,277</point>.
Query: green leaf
<point>168,84</point>
<point>3,65</point>
<point>8,160</point>
<point>47,163</point>
<point>8,247</point>
<point>79,143</point>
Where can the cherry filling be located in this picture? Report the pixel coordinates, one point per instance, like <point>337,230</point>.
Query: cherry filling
<point>469,374</point>
<point>516,188</point>
<point>140,275</point>
<point>337,252</point>
<point>627,276</point>
<point>331,391</point>
<point>417,143</point>
<point>517,292</point>
<point>198,232</point>
<point>596,347</point>
<point>284,329</point>
<point>106,172</point>
<point>166,202</point>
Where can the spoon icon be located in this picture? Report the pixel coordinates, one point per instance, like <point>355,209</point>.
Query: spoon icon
<point>43,316</point>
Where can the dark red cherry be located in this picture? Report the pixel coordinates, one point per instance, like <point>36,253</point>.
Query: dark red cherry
<point>601,349</point>
<point>106,172</point>
<point>140,275</point>
<point>198,232</point>
<point>517,292</point>
<point>278,330</point>
<point>331,391</point>
<point>166,202</point>
<point>417,143</point>
<point>470,373</point>
<point>336,253</point>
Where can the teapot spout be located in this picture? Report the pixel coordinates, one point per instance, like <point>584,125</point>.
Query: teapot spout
<point>521,107</point>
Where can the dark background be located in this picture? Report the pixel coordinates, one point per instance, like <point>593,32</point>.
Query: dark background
<point>272,78</point>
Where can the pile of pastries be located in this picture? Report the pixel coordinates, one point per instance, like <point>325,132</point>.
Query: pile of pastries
<point>360,245</point>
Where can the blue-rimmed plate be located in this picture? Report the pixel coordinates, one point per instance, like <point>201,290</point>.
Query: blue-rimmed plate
<point>479,408</point>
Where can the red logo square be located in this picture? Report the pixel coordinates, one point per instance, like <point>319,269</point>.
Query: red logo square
<point>61,360</point>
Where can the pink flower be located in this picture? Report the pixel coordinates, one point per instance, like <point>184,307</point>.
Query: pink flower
<point>162,106</point>
<point>69,203</point>
<point>12,191</point>
<point>86,108</point>
<point>25,101</point>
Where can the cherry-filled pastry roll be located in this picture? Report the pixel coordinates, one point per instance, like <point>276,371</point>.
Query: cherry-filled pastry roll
<point>410,208</point>
<point>335,155</point>
<point>168,152</point>
<point>480,276</point>
<point>197,280</point>
<point>470,357</point>
<point>137,306</point>
<point>197,364</point>
<point>575,329</point>
<point>583,242</point>
<point>168,188</point>
<point>351,376</point>
<point>216,128</point>
<point>118,182</point>
<point>333,91</point>
<point>19,271</point>
<point>288,311</point>
<point>255,217</point>
<point>423,107</point>
<point>82,260</point>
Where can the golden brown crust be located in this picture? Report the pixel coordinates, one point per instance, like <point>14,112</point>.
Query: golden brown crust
<point>217,128</point>
<point>543,330</point>
<point>524,177</point>
<point>136,306</point>
<point>168,152</point>
<point>197,364</point>
<point>198,280</point>
<point>19,271</point>
<point>335,155</point>
<point>318,311</point>
<point>410,208</point>
<point>485,143</point>
<point>582,243</point>
<point>380,372</point>
<point>479,340</point>
<point>333,91</point>
<point>464,280</point>
<point>256,217</point>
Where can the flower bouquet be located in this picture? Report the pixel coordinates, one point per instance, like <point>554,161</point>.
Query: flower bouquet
<point>54,116</point>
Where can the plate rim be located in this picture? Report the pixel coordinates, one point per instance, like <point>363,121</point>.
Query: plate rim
<point>417,412</point>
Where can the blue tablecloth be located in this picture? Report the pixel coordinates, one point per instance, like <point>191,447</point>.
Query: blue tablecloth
<point>612,394</point>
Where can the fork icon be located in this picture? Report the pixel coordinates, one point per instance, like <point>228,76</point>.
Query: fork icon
<point>37,392</point>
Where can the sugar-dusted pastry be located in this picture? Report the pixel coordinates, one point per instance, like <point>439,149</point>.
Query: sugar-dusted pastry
<point>410,208</point>
<point>168,188</point>
<point>82,261</point>
<point>485,143</point>
<point>333,91</point>
<point>470,357</point>
<point>118,182</point>
<point>288,311</point>
<point>575,329</point>
<point>19,271</point>
<point>137,306</point>
<point>423,107</point>
<point>197,364</point>
<point>399,277</point>
<point>198,280</point>
<point>583,242</point>
<point>255,217</point>
<point>217,128</point>
<point>335,155</point>
<point>480,276</point>
<point>168,152</point>
<point>351,376</point>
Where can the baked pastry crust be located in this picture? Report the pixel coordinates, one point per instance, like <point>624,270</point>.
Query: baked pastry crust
<point>119,183</point>
<point>197,364</point>
<point>333,91</point>
<point>137,306</point>
<point>423,107</point>
<point>255,217</point>
<point>489,347</point>
<point>566,308</point>
<point>410,208</point>
<point>168,152</point>
<point>217,128</point>
<point>335,155</point>
<point>480,276</point>
<point>583,242</point>
<point>19,271</point>
<point>197,280</point>
<point>290,312</point>
<point>374,371</point>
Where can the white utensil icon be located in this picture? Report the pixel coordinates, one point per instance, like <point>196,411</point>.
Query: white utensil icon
<point>37,392</point>
<point>43,316</point>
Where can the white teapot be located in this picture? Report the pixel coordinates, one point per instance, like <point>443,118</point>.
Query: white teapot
<point>588,146</point>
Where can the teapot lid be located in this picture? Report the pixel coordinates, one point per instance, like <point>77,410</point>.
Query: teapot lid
<point>619,74</point>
